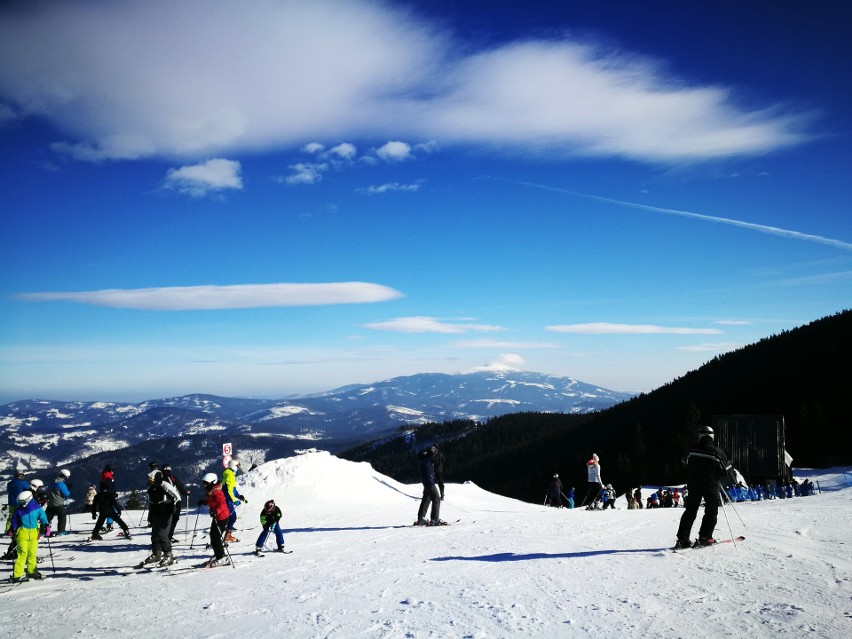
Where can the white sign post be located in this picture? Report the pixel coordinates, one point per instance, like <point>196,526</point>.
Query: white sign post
<point>227,451</point>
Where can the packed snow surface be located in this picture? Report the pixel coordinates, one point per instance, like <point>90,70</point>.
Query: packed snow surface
<point>504,569</point>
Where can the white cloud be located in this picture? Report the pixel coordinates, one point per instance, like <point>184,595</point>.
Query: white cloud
<point>201,179</point>
<point>394,151</point>
<point>185,298</point>
<point>734,322</point>
<point>394,187</point>
<point>603,328</point>
<point>345,151</point>
<point>313,148</point>
<point>722,347</point>
<point>428,325</point>
<point>305,173</point>
<point>355,68</point>
<point>506,362</point>
<point>493,343</point>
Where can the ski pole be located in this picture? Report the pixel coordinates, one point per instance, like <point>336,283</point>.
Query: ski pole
<point>588,492</point>
<point>734,509</point>
<point>186,522</point>
<point>143,514</point>
<point>725,512</point>
<point>225,546</point>
<point>195,527</point>
<point>50,549</point>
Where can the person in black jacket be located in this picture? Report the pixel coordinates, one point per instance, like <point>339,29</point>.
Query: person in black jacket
<point>438,464</point>
<point>706,465</point>
<point>169,476</point>
<point>106,504</point>
<point>431,492</point>
<point>161,499</point>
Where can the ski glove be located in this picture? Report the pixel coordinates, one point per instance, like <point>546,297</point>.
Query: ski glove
<point>47,531</point>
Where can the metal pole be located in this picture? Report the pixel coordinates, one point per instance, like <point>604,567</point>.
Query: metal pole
<point>732,507</point>
<point>195,527</point>
<point>50,549</point>
<point>729,523</point>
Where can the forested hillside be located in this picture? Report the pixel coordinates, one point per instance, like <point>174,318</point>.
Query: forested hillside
<point>802,374</point>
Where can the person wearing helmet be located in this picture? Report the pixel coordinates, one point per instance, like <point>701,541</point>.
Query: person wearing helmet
<point>232,497</point>
<point>106,503</point>
<point>57,501</point>
<point>25,523</point>
<point>706,465</point>
<point>431,492</point>
<point>270,518</point>
<point>15,487</point>
<point>608,496</point>
<point>169,476</point>
<point>162,497</point>
<point>219,514</point>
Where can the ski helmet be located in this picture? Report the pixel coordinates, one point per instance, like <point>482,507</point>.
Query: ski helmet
<point>35,484</point>
<point>269,505</point>
<point>209,478</point>
<point>167,466</point>
<point>24,497</point>
<point>152,465</point>
<point>233,464</point>
<point>705,431</point>
<point>65,473</point>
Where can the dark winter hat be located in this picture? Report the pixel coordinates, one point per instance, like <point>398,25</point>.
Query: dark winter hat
<point>109,467</point>
<point>152,465</point>
<point>167,466</point>
<point>269,505</point>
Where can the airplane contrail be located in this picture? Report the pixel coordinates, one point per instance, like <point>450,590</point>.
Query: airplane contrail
<point>763,228</point>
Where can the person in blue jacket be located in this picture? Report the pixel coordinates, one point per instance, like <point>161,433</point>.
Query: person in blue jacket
<point>14,488</point>
<point>57,496</point>
<point>25,527</point>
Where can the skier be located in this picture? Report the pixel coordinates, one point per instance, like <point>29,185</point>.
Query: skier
<point>706,465</point>
<point>637,497</point>
<point>15,487</point>
<point>57,496</point>
<point>593,470</point>
<point>232,497</point>
<point>91,491</point>
<point>554,492</point>
<point>220,514</point>
<point>161,499</point>
<point>106,504</point>
<point>25,528</point>
<point>169,476</point>
<point>438,463</point>
<point>571,497</point>
<point>431,492</point>
<point>36,488</point>
<point>270,518</point>
<point>608,497</point>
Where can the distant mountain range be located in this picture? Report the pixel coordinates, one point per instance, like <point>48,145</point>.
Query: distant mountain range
<point>189,430</point>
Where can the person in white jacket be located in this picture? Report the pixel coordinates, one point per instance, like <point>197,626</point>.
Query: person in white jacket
<point>593,469</point>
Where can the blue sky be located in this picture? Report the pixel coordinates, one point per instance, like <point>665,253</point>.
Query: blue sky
<point>268,198</point>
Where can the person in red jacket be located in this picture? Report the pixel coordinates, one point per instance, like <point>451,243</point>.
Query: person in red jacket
<point>219,513</point>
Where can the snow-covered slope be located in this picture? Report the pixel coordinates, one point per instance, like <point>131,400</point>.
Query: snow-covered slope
<point>506,569</point>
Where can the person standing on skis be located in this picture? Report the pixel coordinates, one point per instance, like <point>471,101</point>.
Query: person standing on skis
<point>706,465</point>
<point>25,524</point>
<point>232,497</point>
<point>270,518</point>
<point>162,497</point>
<point>57,497</point>
<point>431,492</point>
<point>593,470</point>
<point>169,476</point>
<point>219,514</point>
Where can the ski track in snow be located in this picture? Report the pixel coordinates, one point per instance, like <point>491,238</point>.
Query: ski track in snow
<point>508,569</point>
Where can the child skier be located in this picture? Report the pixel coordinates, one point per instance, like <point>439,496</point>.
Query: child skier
<point>270,518</point>
<point>219,513</point>
<point>25,528</point>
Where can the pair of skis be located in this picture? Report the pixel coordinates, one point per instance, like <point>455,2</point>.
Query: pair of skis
<point>697,546</point>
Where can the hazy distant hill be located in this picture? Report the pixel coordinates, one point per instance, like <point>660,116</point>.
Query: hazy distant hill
<point>802,374</point>
<point>189,431</point>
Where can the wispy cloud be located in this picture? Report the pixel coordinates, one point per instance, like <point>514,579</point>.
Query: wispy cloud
<point>735,322</point>
<point>211,176</point>
<point>305,173</point>
<point>186,298</point>
<point>429,325</point>
<point>722,347</point>
<point>506,361</point>
<point>393,187</point>
<point>603,328</point>
<point>493,343</point>
<point>360,69</point>
<point>763,228</point>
